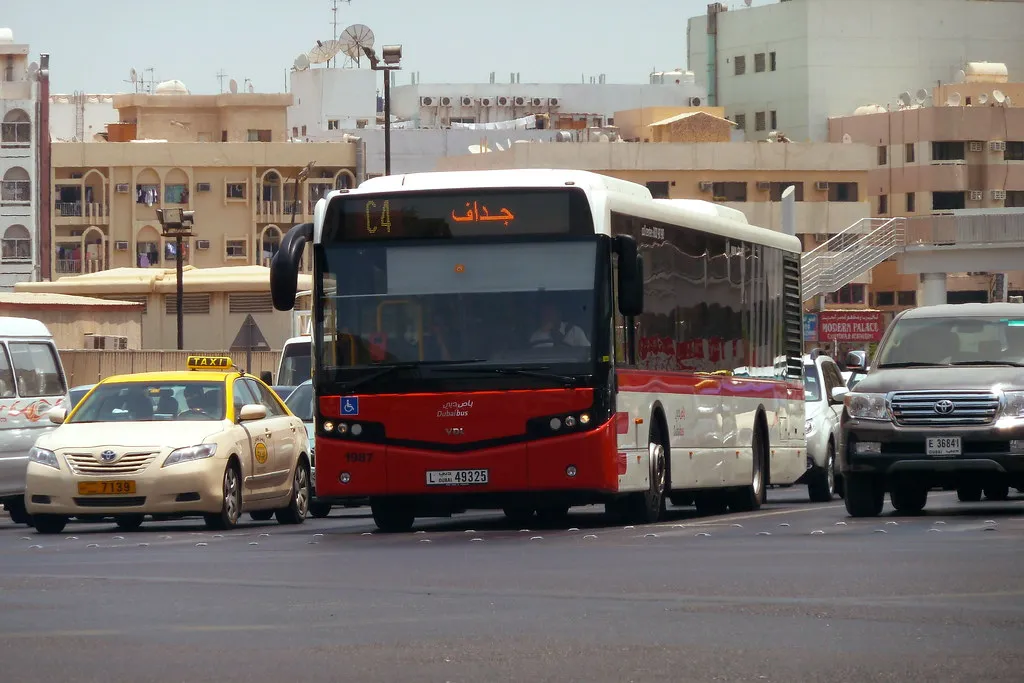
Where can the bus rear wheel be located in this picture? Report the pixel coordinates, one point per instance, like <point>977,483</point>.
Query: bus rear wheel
<point>392,517</point>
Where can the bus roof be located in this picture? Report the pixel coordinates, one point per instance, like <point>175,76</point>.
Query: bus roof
<point>605,194</point>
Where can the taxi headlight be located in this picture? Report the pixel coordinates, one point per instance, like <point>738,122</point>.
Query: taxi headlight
<point>44,457</point>
<point>191,453</point>
<point>866,406</point>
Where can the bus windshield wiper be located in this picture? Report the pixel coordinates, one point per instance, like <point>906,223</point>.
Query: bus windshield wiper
<point>989,362</point>
<point>565,380</point>
<point>914,364</point>
<point>388,368</point>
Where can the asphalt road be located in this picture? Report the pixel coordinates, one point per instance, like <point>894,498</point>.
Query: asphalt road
<point>793,593</point>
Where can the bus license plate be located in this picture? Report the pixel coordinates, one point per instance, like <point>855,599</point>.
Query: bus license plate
<point>456,477</point>
<point>943,445</point>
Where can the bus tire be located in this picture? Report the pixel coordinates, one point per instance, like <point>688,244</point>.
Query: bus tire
<point>648,506</point>
<point>392,517</point>
<point>518,514</point>
<point>751,497</point>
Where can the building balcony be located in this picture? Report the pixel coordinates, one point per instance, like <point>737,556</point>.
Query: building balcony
<point>77,266</point>
<point>81,213</point>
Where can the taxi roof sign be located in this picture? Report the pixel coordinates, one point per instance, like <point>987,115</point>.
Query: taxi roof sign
<point>209,363</point>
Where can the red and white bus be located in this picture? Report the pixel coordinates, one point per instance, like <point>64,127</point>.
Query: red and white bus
<point>531,340</point>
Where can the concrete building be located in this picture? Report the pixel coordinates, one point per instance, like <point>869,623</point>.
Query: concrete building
<point>19,154</point>
<point>216,302</point>
<point>80,322</point>
<point>788,66</point>
<point>958,163</point>
<point>80,117</point>
<point>224,156</point>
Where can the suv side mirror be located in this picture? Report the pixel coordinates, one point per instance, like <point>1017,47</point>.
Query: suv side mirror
<point>839,393</point>
<point>631,276</point>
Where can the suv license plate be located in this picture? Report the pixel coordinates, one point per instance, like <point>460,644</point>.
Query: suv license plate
<point>456,477</point>
<point>943,445</point>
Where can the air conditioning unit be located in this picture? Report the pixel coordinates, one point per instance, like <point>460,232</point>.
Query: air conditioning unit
<point>999,195</point>
<point>706,185</point>
<point>486,101</point>
<point>427,101</point>
<point>446,101</point>
<point>107,342</point>
<point>520,101</point>
<point>977,195</point>
<point>696,102</point>
<point>202,244</point>
<point>997,146</point>
<point>821,185</point>
<point>977,146</point>
<point>202,187</point>
<point>123,188</point>
<point>121,245</point>
<point>466,101</point>
<point>764,185</point>
<point>537,102</point>
<point>553,102</point>
<point>502,101</point>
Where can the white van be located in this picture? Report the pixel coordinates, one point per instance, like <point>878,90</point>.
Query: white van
<point>32,382</point>
<point>296,363</point>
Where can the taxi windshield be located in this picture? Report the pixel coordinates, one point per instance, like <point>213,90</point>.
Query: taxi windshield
<point>300,402</point>
<point>152,401</point>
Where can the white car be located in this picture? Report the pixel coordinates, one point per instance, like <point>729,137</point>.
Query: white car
<point>824,390</point>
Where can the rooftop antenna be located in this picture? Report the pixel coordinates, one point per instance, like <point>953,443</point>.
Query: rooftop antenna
<point>324,51</point>
<point>221,75</point>
<point>354,40</point>
<point>334,22</point>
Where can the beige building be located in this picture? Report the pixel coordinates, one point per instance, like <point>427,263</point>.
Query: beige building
<point>216,302</point>
<point>79,322</point>
<point>962,157</point>
<point>224,156</point>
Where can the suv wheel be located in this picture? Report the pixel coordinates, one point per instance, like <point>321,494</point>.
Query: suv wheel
<point>864,495</point>
<point>970,493</point>
<point>908,498</point>
<point>997,492</point>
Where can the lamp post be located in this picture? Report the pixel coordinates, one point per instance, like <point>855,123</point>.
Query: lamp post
<point>392,55</point>
<point>177,223</point>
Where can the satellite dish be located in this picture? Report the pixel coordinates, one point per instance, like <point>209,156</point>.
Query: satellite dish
<point>134,75</point>
<point>847,139</point>
<point>747,2</point>
<point>33,68</point>
<point>904,99</point>
<point>922,96</point>
<point>953,100</point>
<point>998,96</point>
<point>324,51</point>
<point>961,76</point>
<point>983,98</point>
<point>353,39</point>
<point>251,89</point>
<point>233,86</point>
<point>1008,102</point>
<point>301,62</point>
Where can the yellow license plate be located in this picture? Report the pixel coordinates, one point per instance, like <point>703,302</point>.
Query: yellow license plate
<point>119,487</point>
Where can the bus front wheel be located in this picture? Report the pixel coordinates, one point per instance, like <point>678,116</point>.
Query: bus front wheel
<point>392,517</point>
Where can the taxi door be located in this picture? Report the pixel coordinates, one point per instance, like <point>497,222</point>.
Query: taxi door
<point>255,443</point>
<point>281,434</point>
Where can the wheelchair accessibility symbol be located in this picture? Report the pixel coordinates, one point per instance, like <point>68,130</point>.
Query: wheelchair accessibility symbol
<point>350,405</point>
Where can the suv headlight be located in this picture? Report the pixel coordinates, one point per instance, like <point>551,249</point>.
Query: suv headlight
<point>44,457</point>
<point>866,406</point>
<point>189,454</point>
<point>808,427</point>
<point>1013,405</point>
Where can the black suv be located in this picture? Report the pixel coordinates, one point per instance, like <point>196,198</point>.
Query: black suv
<point>943,405</point>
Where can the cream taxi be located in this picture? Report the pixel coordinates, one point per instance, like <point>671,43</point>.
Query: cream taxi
<point>210,441</point>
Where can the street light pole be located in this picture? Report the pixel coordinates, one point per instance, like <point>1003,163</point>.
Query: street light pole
<point>177,223</point>
<point>392,55</point>
<point>387,122</point>
<point>180,267</point>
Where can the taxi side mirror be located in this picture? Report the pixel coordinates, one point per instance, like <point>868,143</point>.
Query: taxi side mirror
<point>57,415</point>
<point>252,411</point>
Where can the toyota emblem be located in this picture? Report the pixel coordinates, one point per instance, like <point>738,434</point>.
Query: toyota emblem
<point>944,407</point>
<point>108,456</point>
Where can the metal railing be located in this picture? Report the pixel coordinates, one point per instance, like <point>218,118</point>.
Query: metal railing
<point>849,254</point>
<point>949,229</point>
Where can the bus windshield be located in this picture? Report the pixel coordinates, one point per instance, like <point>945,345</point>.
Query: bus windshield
<point>508,303</point>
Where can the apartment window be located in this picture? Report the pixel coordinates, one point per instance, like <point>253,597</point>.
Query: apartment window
<point>16,129</point>
<point>176,194</point>
<point>740,65</point>
<point>759,62</point>
<point>303,130</point>
<point>259,135</point>
<point>16,187</point>
<point>948,201</point>
<point>333,124</point>
<point>223,136</point>
<point>949,151</point>
<point>295,131</point>
<point>773,118</point>
<point>741,122</point>
<point>658,188</point>
<point>729,192</point>
<point>771,61</point>
<point>883,155</point>
<point>911,202</point>
<point>776,189</point>
<point>1014,198</point>
<point>850,294</point>
<point>17,245</point>
<point>885,298</point>
<point>883,204</point>
<point>759,120</point>
<point>235,249</point>
<point>908,152</point>
<point>236,191</point>
<point>1014,151</point>
<point>842,192</point>
<point>906,298</point>
<point>169,250</point>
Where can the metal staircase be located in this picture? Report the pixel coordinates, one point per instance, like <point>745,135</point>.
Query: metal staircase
<point>849,254</point>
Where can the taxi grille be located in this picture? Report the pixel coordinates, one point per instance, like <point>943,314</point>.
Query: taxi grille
<point>933,408</point>
<point>129,463</point>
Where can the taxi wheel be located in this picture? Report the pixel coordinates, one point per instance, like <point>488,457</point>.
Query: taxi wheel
<point>261,515</point>
<point>129,522</point>
<point>49,524</point>
<point>298,506</point>
<point>231,507</point>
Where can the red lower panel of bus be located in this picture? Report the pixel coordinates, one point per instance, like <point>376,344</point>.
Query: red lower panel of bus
<point>533,466</point>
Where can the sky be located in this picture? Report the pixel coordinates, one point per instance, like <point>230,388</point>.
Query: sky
<point>94,45</point>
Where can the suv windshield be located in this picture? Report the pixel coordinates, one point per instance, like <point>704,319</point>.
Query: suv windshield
<point>300,402</point>
<point>152,401</point>
<point>954,341</point>
<point>812,383</point>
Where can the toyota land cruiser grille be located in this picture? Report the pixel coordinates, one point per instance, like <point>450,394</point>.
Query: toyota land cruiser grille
<point>944,409</point>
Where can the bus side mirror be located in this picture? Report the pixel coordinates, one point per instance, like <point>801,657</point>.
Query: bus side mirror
<point>285,266</point>
<point>631,276</point>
